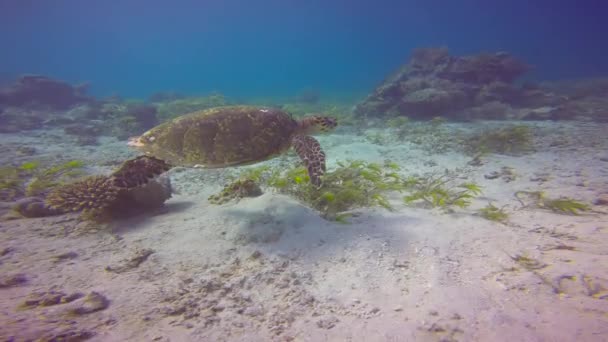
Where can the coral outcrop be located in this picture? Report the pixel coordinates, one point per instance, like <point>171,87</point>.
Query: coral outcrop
<point>38,91</point>
<point>129,190</point>
<point>92,194</point>
<point>434,83</point>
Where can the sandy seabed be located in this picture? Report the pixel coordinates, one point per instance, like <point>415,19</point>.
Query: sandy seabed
<point>270,269</point>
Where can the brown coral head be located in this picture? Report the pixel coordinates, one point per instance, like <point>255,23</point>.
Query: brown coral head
<point>138,171</point>
<point>91,194</point>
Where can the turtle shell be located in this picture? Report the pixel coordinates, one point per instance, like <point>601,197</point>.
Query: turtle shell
<point>221,136</point>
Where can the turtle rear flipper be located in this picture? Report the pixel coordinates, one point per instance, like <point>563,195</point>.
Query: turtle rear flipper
<point>309,150</point>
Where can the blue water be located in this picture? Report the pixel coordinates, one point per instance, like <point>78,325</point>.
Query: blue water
<point>280,47</point>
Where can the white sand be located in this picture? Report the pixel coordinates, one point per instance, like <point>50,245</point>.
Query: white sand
<point>268,268</point>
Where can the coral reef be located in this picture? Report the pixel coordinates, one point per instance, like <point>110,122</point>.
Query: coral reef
<point>15,119</point>
<point>143,115</point>
<point>124,119</point>
<point>91,195</point>
<point>129,190</point>
<point>38,91</point>
<point>434,83</point>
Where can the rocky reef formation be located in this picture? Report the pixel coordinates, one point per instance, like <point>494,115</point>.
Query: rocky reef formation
<point>434,83</point>
<point>38,91</point>
<point>33,101</point>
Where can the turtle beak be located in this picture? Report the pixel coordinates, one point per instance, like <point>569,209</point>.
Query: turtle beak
<point>135,142</point>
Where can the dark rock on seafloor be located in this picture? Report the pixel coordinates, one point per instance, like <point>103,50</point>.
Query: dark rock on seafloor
<point>602,199</point>
<point>10,280</point>
<point>34,207</point>
<point>92,302</point>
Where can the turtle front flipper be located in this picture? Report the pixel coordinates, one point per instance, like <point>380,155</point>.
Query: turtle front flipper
<point>309,150</point>
<point>138,171</point>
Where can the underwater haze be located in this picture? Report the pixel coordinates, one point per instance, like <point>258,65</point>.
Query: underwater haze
<point>303,170</point>
<point>278,48</point>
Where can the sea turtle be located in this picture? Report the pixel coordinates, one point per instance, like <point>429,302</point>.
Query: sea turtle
<point>236,135</point>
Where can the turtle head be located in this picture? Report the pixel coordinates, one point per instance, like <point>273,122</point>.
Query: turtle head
<point>146,143</point>
<point>141,142</point>
<point>318,124</point>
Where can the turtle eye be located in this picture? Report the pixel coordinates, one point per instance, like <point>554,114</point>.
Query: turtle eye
<point>329,123</point>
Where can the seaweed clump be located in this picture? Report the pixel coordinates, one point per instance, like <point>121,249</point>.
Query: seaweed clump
<point>493,213</point>
<point>128,190</point>
<point>352,185</point>
<point>241,188</point>
<point>562,205</point>
<point>437,192</point>
<point>356,184</point>
<point>31,179</point>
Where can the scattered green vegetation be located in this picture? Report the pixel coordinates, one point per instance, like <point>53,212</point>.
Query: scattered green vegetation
<point>353,184</point>
<point>562,205</point>
<point>493,213</point>
<point>31,179</point>
<point>436,191</point>
<point>516,139</point>
<point>46,179</point>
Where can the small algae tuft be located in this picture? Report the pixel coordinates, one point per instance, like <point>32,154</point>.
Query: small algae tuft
<point>565,205</point>
<point>493,213</point>
<point>528,263</point>
<point>235,191</point>
<point>46,179</point>
<point>436,192</point>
